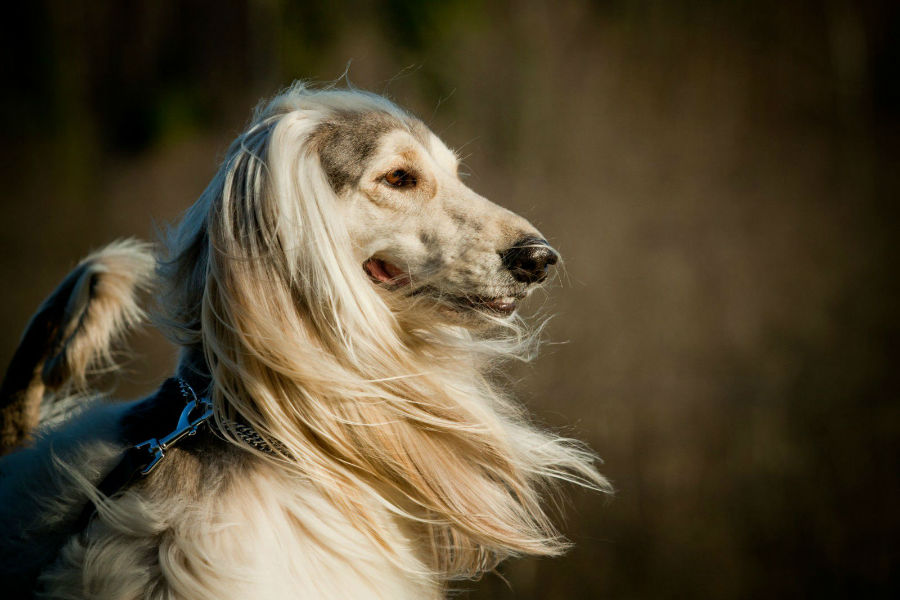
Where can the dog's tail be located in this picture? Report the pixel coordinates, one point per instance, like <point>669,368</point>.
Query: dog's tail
<point>72,335</point>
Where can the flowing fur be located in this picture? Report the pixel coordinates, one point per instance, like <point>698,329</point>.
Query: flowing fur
<point>403,465</point>
<point>71,337</point>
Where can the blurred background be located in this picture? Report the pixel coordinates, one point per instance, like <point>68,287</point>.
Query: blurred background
<point>721,177</point>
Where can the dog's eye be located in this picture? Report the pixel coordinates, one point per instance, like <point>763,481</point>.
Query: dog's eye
<point>399,178</point>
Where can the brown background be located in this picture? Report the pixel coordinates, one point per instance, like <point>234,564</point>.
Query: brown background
<point>721,178</point>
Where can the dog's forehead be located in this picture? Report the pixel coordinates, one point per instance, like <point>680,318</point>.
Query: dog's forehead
<point>434,145</point>
<point>346,141</point>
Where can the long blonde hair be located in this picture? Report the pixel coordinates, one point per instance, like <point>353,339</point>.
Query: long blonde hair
<point>372,397</point>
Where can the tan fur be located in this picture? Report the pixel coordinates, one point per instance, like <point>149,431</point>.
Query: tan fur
<point>72,335</point>
<point>403,466</point>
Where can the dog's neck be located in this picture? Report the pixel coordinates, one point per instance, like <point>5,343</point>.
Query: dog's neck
<point>442,454</point>
<point>193,369</point>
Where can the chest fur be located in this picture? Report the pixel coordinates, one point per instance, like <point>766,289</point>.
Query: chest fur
<point>234,527</point>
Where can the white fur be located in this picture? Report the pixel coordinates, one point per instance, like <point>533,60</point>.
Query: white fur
<point>403,466</point>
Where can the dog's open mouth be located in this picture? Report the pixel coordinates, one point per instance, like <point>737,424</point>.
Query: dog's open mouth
<point>384,272</point>
<point>393,277</point>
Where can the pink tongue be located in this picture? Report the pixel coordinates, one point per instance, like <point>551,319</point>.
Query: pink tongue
<point>392,270</point>
<point>386,272</point>
<point>501,305</point>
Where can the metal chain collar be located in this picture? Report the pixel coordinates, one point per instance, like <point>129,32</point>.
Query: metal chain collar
<point>245,433</point>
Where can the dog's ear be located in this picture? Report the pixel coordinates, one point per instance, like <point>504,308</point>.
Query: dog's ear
<point>274,200</point>
<point>306,204</point>
<point>280,253</point>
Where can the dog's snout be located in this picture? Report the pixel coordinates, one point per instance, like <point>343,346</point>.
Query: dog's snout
<point>529,259</point>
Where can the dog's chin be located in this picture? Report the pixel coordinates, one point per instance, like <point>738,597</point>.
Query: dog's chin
<point>458,307</point>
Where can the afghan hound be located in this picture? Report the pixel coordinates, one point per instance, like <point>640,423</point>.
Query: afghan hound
<point>342,302</point>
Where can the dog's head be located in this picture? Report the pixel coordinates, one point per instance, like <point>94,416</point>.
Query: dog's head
<point>338,189</point>
<point>414,225</point>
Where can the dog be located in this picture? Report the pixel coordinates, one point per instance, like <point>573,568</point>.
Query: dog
<point>342,302</point>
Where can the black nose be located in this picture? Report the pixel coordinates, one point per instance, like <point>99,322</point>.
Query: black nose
<point>528,259</point>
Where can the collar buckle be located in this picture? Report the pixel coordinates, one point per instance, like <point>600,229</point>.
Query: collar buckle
<point>187,426</point>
